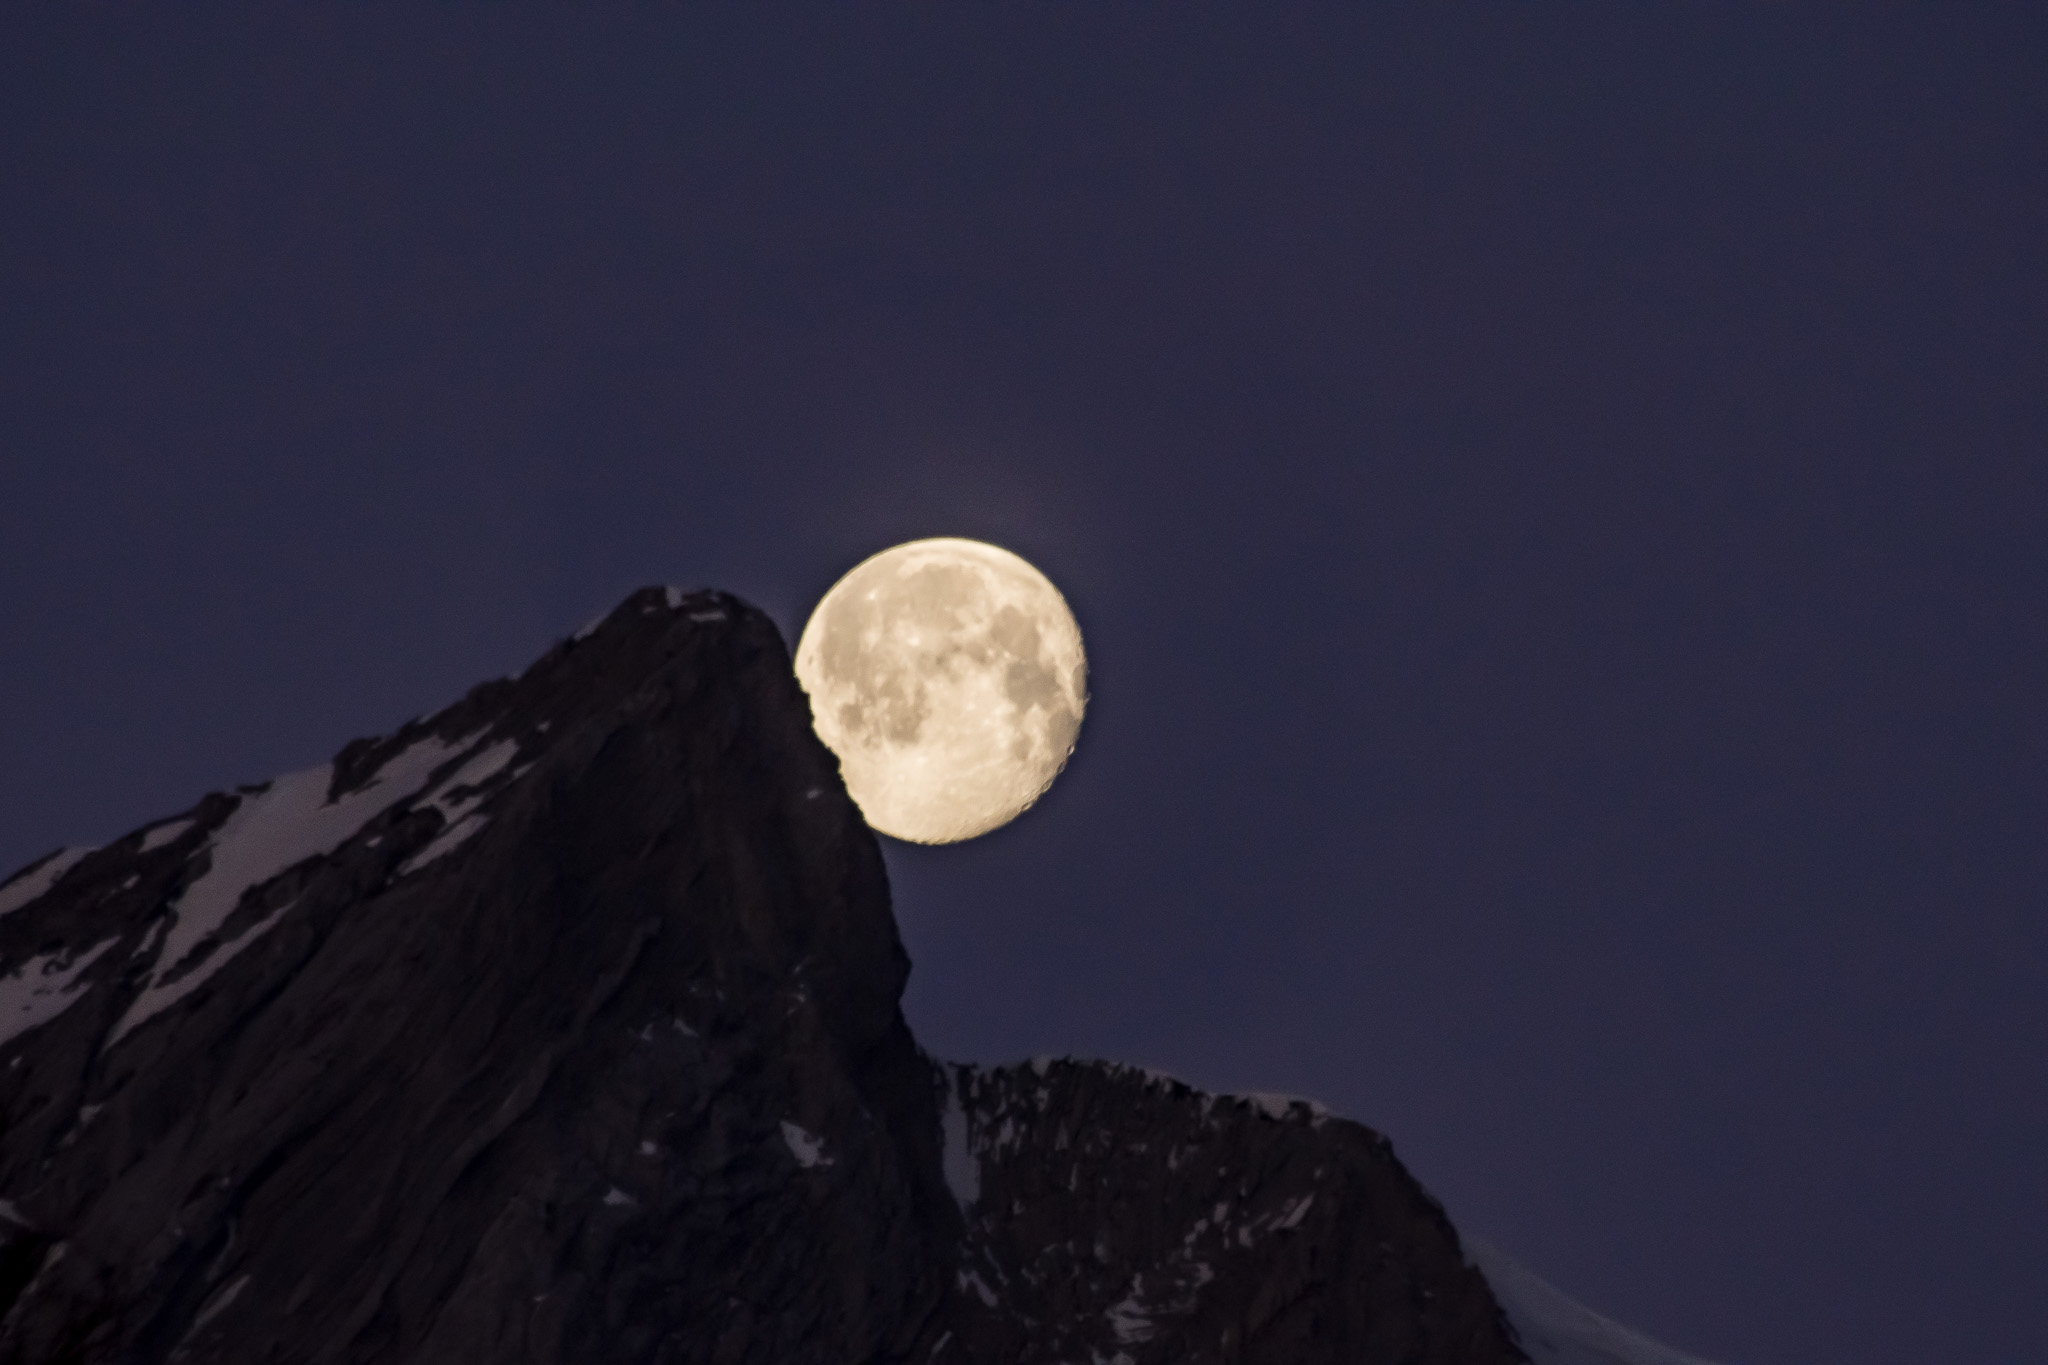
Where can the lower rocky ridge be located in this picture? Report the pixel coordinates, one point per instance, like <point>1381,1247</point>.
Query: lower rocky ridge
<point>562,1026</point>
<point>1116,1216</point>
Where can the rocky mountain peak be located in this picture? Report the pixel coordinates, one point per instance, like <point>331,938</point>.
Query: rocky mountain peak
<point>562,1025</point>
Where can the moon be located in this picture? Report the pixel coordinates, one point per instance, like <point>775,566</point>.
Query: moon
<point>948,677</point>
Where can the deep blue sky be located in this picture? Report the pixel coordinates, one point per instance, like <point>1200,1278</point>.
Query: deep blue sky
<point>1554,493</point>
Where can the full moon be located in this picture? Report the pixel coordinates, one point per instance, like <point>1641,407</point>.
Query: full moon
<point>948,677</point>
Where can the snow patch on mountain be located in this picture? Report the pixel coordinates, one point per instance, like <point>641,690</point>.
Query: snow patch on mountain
<point>962,1167</point>
<point>1556,1329</point>
<point>34,882</point>
<point>273,829</point>
<point>169,993</point>
<point>1278,1107</point>
<point>470,777</point>
<point>446,842</point>
<point>807,1147</point>
<point>42,988</point>
<point>163,834</point>
<point>457,798</point>
<point>1129,1321</point>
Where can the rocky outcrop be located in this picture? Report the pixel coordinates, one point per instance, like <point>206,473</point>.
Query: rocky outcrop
<point>1113,1212</point>
<point>562,1025</point>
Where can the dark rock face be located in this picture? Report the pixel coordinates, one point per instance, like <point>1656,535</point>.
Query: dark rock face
<point>1115,1212</point>
<point>562,1026</point>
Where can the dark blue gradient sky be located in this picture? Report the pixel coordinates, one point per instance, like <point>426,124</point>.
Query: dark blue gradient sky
<point>1555,495</point>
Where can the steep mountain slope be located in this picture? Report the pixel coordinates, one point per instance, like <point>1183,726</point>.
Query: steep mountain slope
<point>1556,1329</point>
<point>562,1025</point>
<point>1193,1227</point>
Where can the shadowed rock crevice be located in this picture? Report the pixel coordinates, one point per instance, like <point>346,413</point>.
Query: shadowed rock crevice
<point>562,1025</point>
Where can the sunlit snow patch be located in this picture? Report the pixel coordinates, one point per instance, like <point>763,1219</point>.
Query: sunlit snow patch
<point>971,1279</point>
<point>36,882</point>
<point>285,823</point>
<point>963,1169</point>
<point>808,1148</point>
<point>218,1304</point>
<point>1278,1107</point>
<point>1130,1320</point>
<point>1556,1329</point>
<point>474,773</point>
<point>163,834</point>
<point>42,988</point>
<point>446,842</point>
<point>459,812</point>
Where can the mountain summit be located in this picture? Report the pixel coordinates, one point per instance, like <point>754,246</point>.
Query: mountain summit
<point>562,1026</point>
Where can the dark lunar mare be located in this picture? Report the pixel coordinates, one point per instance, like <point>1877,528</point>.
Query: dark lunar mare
<point>622,1077</point>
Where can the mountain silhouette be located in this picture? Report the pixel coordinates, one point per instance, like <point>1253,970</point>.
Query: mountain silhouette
<point>563,1025</point>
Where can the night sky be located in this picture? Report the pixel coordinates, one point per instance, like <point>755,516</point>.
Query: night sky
<point>1554,496</point>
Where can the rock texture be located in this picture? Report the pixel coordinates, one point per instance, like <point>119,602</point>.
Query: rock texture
<point>1116,1213</point>
<point>562,1026</point>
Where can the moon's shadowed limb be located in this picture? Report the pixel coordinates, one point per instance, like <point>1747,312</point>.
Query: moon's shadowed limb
<point>949,677</point>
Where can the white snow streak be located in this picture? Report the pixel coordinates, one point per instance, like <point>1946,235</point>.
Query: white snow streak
<point>1275,1106</point>
<point>163,834</point>
<point>474,773</point>
<point>969,1279</point>
<point>35,883</point>
<point>446,842</point>
<point>273,829</point>
<point>1295,1211</point>
<point>808,1148</point>
<point>963,1171</point>
<point>1130,1321</point>
<point>42,988</point>
<point>1557,1330</point>
<point>218,1305</point>
<point>162,997</point>
<point>461,824</point>
<point>151,939</point>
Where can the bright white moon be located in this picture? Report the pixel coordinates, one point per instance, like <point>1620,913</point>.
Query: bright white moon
<point>948,677</point>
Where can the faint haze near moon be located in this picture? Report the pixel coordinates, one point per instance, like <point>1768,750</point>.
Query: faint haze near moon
<point>949,677</point>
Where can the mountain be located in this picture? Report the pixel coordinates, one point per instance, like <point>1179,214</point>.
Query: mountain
<point>1557,1330</point>
<point>562,1026</point>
